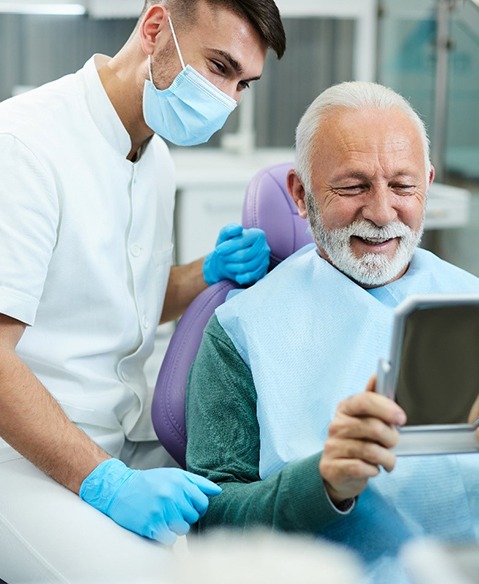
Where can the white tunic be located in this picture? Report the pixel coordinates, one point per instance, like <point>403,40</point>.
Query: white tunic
<point>86,248</point>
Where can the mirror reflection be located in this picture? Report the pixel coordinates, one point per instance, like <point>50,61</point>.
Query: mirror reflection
<point>438,379</point>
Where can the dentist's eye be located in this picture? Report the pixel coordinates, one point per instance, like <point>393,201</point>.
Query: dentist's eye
<point>218,67</point>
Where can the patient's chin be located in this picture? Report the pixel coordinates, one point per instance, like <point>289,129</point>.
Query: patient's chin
<point>371,270</point>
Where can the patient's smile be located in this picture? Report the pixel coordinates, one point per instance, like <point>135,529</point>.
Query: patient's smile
<point>384,245</point>
<point>374,240</point>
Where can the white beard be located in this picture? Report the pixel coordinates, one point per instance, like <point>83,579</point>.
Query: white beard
<point>371,269</point>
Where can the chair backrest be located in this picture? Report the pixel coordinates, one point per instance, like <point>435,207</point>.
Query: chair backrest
<point>267,205</point>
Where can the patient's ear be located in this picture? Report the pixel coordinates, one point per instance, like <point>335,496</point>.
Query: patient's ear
<point>297,192</point>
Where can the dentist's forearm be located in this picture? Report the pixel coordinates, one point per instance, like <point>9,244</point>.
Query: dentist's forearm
<point>33,423</point>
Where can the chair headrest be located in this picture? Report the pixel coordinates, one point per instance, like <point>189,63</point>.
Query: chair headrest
<point>269,206</point>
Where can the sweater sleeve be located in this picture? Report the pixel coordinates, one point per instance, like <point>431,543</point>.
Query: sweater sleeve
<point>223,445</point>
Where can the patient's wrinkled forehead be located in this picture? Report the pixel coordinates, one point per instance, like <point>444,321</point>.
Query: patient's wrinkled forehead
<point>368,140</point>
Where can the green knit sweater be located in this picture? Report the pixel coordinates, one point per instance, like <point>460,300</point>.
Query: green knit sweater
<point>223,445</point>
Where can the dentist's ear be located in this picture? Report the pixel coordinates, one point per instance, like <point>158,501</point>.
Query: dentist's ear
<point>152,24</point>
<point>432,174</point>
<point>297,192</point>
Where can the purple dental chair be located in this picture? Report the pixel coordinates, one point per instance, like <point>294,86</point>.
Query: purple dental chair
<point>267,205</point>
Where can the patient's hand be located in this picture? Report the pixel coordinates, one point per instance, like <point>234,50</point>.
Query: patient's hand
<point>474,414</point>
<point>359,441</point>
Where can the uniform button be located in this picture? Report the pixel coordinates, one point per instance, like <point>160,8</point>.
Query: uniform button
<point>135,250</point>
<point>145,322</point>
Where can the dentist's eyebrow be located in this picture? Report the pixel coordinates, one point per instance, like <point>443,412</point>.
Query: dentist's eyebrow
<point>235,65</point>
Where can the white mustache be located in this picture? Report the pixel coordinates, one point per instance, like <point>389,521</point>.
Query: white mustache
<point>366,230</point>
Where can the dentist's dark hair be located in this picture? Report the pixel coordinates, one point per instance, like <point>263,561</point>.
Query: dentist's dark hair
<point>263,15</point>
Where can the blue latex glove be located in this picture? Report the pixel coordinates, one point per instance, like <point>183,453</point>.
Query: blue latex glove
<point>241,255</point>
<point>160,503</point>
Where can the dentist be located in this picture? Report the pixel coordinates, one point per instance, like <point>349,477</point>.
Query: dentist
<point>87,198</point>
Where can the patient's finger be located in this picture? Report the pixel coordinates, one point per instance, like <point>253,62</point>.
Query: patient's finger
<point>373,405</point>
<point>474,411</point>
<point>364,429</point>
<point>371,386</point>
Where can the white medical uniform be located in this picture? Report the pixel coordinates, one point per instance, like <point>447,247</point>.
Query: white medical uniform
<point>86,248</point>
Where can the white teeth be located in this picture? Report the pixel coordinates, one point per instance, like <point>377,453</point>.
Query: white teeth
<point>375,239</point>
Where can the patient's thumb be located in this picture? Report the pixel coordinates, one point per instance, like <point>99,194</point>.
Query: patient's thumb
<point>371,386</point>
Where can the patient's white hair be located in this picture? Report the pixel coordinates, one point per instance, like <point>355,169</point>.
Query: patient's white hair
<point>261,557</point>
<point>350,95</point>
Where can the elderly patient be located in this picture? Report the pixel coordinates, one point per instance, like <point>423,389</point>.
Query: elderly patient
<point>276,410</point>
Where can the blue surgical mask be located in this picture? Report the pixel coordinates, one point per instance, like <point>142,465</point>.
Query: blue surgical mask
<point>188,112</point>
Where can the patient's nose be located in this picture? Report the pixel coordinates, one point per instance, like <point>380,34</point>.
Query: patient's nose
<point>379,208</point>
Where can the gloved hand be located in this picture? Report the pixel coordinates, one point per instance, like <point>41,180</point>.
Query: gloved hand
<point>241,255</point>
<point>160,503</point>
